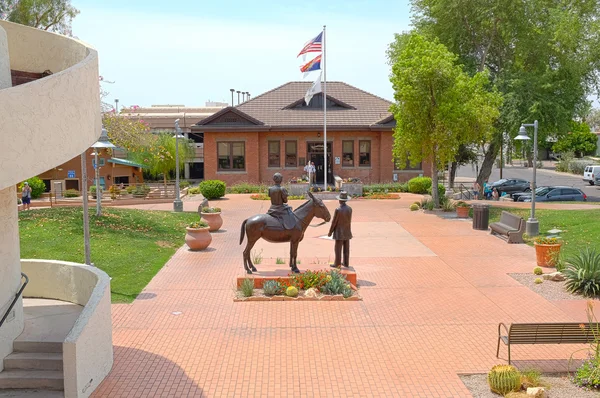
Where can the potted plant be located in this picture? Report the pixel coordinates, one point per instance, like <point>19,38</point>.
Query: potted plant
<point>462,209</point>
<point>547,251</point>
<point>212,216</point>
<point>197,235</point>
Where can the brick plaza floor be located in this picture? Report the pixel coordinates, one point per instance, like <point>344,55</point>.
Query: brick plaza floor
<point>434,291</point>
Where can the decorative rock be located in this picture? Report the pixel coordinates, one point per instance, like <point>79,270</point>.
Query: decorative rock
<point>312,293</point>
<point>555,276</point>
<point>537,392</point>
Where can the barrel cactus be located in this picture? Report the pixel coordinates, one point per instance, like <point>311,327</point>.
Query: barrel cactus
<point>414,207</point>
<point>538,271</point>
<point>504,379</point>
<point>291,291</point>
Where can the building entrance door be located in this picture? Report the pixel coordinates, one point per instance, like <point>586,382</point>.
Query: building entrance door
<point>315,154</point>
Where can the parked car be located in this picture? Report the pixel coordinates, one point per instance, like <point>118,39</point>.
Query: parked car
<point>555,194</point>
<point>591,173</point>
<point>543,189</point>
<point>510,185</point>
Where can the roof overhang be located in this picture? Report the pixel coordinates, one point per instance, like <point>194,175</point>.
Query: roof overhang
<point>125,162</point>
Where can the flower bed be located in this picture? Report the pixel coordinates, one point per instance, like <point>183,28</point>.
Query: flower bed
<point>264,196</point>
<point>382,196</point>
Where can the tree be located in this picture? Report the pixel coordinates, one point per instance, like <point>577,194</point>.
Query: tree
<point>50,15</point>
<point>593,119</point>
<point>579,140</point>
<point>543,56</point>
<point>437,105</point>
<point>130,134</point>
<point>160,155</point>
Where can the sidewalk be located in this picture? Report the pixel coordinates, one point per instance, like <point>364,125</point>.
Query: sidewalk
<point>434,291</point>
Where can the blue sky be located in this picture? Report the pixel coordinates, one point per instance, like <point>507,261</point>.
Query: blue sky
<point>188,52</point>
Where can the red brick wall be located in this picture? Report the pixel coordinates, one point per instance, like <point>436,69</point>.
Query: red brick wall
<point>258,170</point>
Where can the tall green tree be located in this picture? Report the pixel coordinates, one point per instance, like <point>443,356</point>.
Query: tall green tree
<point>160,155</point>
<point>580,140</point>
<point>50,15</point>
<point>543,55</point>
<point>438,106</point>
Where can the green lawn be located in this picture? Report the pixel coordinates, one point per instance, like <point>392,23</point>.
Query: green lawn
<point>129,245</point>
<point>581,228</point>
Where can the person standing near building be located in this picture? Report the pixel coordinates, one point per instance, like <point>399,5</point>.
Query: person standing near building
<point>341,231</point>
<point>26,195</point>
<point>310,171</point>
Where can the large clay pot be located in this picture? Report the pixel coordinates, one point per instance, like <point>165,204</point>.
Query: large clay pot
<point>214,220</point>
<point>547,255</point>
<point>462,212</point>
<point>197,238</point>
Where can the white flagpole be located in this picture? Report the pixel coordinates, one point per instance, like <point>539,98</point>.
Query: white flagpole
<point>324,111</point>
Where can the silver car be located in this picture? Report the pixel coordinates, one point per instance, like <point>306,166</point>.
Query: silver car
<point>555,194</point>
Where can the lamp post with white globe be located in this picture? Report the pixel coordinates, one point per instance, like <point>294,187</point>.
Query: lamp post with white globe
<point>532,226</point>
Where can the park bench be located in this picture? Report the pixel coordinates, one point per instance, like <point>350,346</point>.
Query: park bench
<point>547,333</point>
<point>509,226</point>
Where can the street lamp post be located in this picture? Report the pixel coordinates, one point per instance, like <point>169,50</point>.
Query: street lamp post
<point>102,142</point>
<point>86,216</point>
<point>532,226</point>
<point>177,203</point>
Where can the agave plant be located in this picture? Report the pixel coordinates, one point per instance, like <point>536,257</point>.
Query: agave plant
<point>583,273</point>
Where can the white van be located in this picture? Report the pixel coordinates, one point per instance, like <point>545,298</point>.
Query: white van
<point>591,173</point>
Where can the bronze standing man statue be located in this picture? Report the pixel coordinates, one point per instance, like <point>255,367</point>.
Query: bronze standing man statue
<point>279,207</point>
<point>341,231</point>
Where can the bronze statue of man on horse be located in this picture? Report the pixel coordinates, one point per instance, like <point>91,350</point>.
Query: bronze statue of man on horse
<point>281,224</point>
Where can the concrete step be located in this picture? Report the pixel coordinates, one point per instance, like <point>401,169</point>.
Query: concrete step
<point>34,346</point>
<point>34,361</point>
<point>31,379</point>
<point>31,394</point>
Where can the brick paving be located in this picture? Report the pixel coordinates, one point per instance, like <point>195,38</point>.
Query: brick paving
<point>434,291</point>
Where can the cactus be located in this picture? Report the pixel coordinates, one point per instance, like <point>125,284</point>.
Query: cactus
<point>537,281</point>
<point>414,207</point>
<point>504,379</point>
<point>291,291</point>
<point>538,271</point>
<point>271,287</point>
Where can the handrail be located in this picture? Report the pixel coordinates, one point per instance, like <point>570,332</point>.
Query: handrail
<point>15,299</point>
<point>467,190</point>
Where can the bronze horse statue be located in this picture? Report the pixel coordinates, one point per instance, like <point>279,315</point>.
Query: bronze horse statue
<point>270,229</point>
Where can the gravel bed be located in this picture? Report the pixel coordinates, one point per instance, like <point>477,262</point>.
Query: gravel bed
<point>560,387</point>
<point>549,290</point>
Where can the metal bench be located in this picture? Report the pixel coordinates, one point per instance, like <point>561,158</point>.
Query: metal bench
<point>547,333</point>
<point>510,226</point>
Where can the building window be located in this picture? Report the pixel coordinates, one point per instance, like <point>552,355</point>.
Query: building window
<point>291,154</point>
<point>364,153</point>
<point>102,183</point>
<point>347,153</point>
<point>231,156</point>
<point>101,162</point>
<point>274,154</point>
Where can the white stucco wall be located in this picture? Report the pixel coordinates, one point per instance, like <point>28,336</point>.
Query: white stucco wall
<point>51,120</point>
<point>10,268</point>
<point>87,350</point>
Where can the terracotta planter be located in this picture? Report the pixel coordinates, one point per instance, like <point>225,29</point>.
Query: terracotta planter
<point>214,220</point>
<point>547,255</point>
<point>197,238</point>
<point>462,212</point>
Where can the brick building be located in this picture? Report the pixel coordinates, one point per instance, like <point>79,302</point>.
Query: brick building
<point>278,131</point>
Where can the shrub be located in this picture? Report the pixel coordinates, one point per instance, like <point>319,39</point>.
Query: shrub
<point>184,184</point>
<point>211,210</point>
<point>93,190</point>
<point>427,204</point>
<point>71,193</point>
<point>538,281</point>
<point>279,260</point>
<point>419,185</point>
<point>291,291</point>
<point>130,189</point>
<point>247,287</point>
<point>387,187</point>
<point>272,287</point>
<point>583,273</point>
<point>198,224</point>
<point>543,240</point>
<point>588,374</point>
<point>531,378</point>
<point>246,187</point>
<point>212,189</point>
<point>37,187</point>
<point>194,190</point>
<point>504,379</point>
<point>310,279</point>
<point>441,190</point>
<point>538,271</point>
<point>414,207</point>
<point>256,256</point>
<point>448,205</point>
<point>460,203</point>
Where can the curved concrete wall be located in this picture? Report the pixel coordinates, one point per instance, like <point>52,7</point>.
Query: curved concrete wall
<point>51,120</point>
<point>87,350</point>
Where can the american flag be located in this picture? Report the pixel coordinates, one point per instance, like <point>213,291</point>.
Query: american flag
<point>313,46</point>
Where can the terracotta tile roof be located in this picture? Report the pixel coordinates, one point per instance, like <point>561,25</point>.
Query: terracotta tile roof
<point>274,109</point>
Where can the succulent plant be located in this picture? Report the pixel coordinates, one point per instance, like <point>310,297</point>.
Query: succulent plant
<point>272,287</point>
<point>291,291</point>
<point>347,292</point>
<point>537,281</point>
<point>504,379</point>
<point>538,271</point>
<point>414,207</point>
